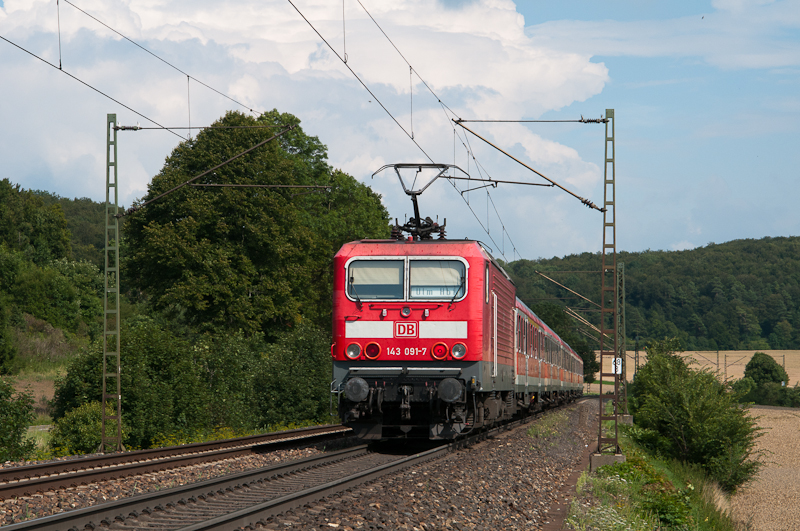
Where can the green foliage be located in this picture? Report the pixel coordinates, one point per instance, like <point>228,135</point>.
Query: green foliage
<point>174,389</point>
<point>764,369</point>
<point>8,348</point>
<point>294,383</point>
<point>671,506</point>
<point>16,414</point>
<point>250,259</point>
<point>564,326</point>
<point>765,382</point>
<point>689,415</point>
<point>29,226</point>
<point>78,432</point>
<point>743,294</point>
<point>85,223</point>
<point>548,426</point>
<point>65,293</point>
<point>645,493</point>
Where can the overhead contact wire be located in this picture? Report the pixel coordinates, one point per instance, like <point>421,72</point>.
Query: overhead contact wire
<point>359,80</point>
<point>445,107</point>
<point>133,209</point>
<point>79,80</point>
<point>161,59</point>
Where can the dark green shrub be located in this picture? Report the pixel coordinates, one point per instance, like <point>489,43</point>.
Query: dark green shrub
<point>172,388</point>
<point>764,369</point>
<point>769,383</point>
<point>689,415</point>
<point>163,388</point>
<point>16,414</point>
<point>8,348</point>
<point>294,384</point>
<point>78,432</point>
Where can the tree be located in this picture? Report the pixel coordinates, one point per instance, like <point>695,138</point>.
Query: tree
<point>16,414</point>
<point>764,369</point>
<point>743,294</point>
<point>8,348</point>
<point>30,226</point>
<point>85,223</point>
<point>250,259</point>
<point>686,414</point>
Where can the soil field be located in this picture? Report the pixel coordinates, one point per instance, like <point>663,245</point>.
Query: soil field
<point>772,501</point>
<point>731,363</point>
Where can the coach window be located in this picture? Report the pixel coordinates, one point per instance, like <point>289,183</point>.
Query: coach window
<point>375,279</point>
<point>437,279</point>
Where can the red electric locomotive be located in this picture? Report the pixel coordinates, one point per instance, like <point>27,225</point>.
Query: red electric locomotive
<point>430,340</point>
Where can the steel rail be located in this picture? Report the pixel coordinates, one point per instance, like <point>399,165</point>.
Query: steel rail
<point>27,480</point>
<point>107,513</point>
<point>126,513</point>
<point>252,517</point>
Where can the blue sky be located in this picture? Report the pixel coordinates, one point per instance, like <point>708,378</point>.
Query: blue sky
<point>705,94</point>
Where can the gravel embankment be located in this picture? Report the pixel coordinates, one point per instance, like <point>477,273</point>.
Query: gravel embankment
<point>508,482</point>
<point>772,501</point>
<point>27,507</point>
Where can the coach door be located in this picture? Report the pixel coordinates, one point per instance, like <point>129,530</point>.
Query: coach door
<point>494,334</point>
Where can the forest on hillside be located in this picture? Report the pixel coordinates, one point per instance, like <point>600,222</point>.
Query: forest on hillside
<point>226,305</point>
<point>743,294</point>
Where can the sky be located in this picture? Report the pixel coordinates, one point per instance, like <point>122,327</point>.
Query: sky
<point>705,95</point>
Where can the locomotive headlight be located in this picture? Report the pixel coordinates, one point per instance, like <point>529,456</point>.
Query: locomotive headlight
<point>353,351</point>
<point>459,350</point>
<point>356,389</point>
<point>372,350</point>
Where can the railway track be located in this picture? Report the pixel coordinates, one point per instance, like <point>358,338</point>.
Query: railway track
<point>245,499</point>
<point>28,480</point>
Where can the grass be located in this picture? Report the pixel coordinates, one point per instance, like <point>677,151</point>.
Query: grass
<point>548,426</point>
<point>646,493</point>
<point>41,438</point>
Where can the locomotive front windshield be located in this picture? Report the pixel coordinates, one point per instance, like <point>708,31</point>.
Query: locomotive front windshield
<point>436,279</point>
<point>376,279</point>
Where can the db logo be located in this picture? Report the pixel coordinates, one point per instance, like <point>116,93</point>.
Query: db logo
<point>405,329</point>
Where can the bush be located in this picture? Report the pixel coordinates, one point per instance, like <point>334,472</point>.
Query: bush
<point>16,414</point>
<point>764,369</point>
<point>8,348</point>
<point>689,415</point>
<point>766,382</point>
<point>78,432</point>
<point>176,390</point>
<point>294,383</point>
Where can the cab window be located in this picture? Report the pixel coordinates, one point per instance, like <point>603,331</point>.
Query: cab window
<point>437,279</point>
<point>375,279</point>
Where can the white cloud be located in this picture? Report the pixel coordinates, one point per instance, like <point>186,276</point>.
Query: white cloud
<point>739,34</point>
<point>476,57</point>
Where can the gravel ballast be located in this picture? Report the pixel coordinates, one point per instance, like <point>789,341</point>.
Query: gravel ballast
<point>510,481</point>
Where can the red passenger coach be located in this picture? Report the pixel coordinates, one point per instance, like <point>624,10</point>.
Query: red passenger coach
<point>430,341</point>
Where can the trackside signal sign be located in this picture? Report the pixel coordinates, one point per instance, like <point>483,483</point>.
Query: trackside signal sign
<point>406,329</point>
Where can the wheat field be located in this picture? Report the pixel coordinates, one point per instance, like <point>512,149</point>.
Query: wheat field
<point>728,364</point>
